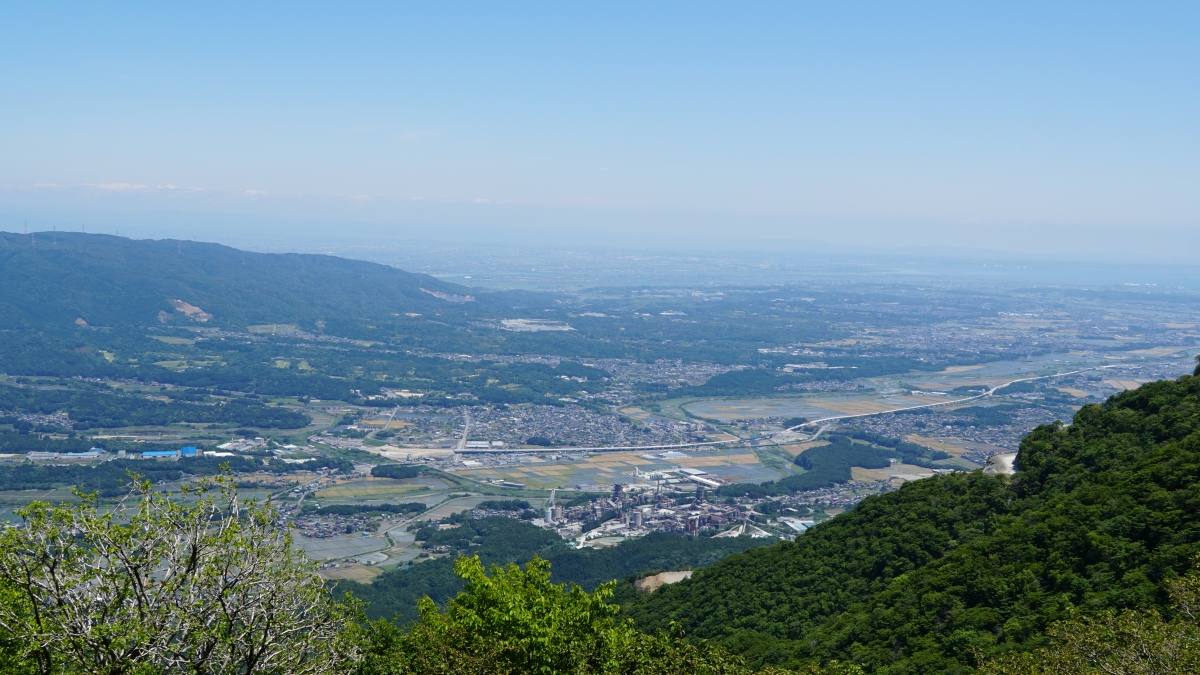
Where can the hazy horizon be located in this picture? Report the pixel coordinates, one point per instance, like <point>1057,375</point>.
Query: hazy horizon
<point>1049,133</point>
<point>571,267</point>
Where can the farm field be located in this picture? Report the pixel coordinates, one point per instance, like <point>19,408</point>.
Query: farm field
<point>379,489</point>
<point>999,372</point>
<point>895,392</point>
<point>813,406</point>
<point>610,468</point>
<point>353,572</point>
<point>18,498</point>
<point>795,449</point>
<point>449,508</point>
<point>340,546</point>
<point>385,554</point>
<point>956,447</point>
<point>1125,384</point>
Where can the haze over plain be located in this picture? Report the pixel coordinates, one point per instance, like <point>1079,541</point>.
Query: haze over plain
<point>1065,131</point>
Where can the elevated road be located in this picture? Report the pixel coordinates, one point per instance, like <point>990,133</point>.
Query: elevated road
<point>462,442</point>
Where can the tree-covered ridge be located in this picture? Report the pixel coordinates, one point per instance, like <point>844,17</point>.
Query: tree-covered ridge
<point>519,622</point>
<point>55,278</point>
<point>500,541</point>
<point>655,552</point>
<point>1101,515</point>
<point>496,540</point>
<point>786,591</point>
<point>1118,642</point>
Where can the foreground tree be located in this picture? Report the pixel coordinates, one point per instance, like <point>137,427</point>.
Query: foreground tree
<point>516,621</point>
<point>1119,643</point>
<point>197,582</point>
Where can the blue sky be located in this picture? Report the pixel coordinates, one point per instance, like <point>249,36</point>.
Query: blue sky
<point>888,124</point>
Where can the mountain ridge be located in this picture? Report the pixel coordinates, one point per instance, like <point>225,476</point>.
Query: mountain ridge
<point>59,278</point>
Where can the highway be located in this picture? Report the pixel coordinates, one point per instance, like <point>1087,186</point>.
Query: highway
<point>462,442</point>
<point>387,425</point>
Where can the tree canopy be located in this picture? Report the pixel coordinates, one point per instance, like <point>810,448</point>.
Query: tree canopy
<point>515,621</point>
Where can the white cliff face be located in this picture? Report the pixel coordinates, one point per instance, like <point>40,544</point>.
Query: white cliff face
<point>653,583</point>
<point>1001,464</point>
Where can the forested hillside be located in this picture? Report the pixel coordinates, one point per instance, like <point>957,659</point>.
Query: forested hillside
<point>500,541</point>
<point>52,279</point>
<point>1101,514</point>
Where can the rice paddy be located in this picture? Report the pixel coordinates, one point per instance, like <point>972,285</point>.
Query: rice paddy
<point>811,407</point>
<point>360,573</point>
<point>380,489</point>
<point>1125,384</point>
<point>610,468</point>
<point>452,507</point>
<point>340,546</point>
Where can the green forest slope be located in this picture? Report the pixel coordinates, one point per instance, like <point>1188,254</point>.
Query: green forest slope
<point>500,541</point>
<point>1102,514</point>
<point>52,279</point>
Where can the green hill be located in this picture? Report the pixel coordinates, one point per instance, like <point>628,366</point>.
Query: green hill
<point>499,541</point>
<point>1102,514</point>
<point>53,279</point>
